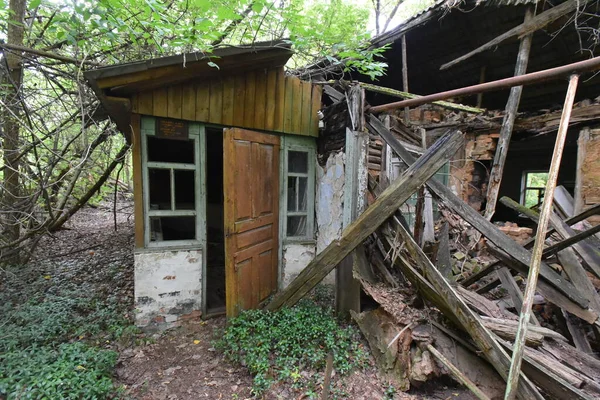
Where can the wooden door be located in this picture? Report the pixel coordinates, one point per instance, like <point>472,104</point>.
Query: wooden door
<point>251,189</point>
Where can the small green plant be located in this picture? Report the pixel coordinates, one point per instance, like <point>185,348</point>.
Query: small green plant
<point>390,392</point>
<point>276,346</point>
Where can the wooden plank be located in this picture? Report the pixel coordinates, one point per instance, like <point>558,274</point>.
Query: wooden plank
<point>145,105</point>
<point>279,100</point>
<point>202,102</point>
<point>297,106</point>
<point>490,348</point>
<point>396,194</point>
<point>260,99</point>
<point>271,99</point>
<point>215,113</point>
<point>188,108</point>
<point>249,99</point>
<point>508,122</point>
<point>288,104</point>
<point>134,103</point>
<point>175,102</point>
<point>509,283</point>
<point>444,264</point>
<point>239,99</point>
<point>228,100</point>
<point>136,157</point>
<point>525,28</point>
<point>314,110</point>
<point>160,102</point>
<point>521,256</point>
<point>305,123</point>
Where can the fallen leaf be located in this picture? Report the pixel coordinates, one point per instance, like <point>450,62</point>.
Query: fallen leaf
<point>196,341</point>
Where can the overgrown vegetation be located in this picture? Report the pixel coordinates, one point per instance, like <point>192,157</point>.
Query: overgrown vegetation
<point>291,345</point>
<point>57,341</point>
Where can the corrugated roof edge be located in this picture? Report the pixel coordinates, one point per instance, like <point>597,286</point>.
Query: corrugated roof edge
<point>136,66</point>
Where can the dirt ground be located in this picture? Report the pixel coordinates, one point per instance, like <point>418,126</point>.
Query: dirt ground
<point>180,363</point>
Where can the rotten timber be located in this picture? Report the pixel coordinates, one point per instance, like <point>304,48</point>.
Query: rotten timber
<point>554,287</point>
<point>396,194</point>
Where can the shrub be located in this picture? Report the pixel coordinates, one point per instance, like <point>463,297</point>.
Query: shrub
<point>279,345</point>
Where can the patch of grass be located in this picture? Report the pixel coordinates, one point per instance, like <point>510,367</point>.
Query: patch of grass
<point>290,345</point>
<point>52,343</point>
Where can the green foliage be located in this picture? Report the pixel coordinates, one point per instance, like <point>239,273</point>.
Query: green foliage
<point>49,342</point>
<point>278,346</point>
<point>533,182</point>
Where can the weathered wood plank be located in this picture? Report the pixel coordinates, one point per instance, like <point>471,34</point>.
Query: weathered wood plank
<point>279,100</point>
<point>306,108</point>
<point>271,99</point>
<point>239,99</point>
<point>509,283</point>
<point>160,102</point>
<point>145,103</point>
<point>297,105</point>
<point>288,104</point>
<point>202,102</point>
<point>215,113</point>
<point>314,110</point>
<point>188,109</point>
<point>228,100</point>
<point>444,264</point>
<point>174,102</point>
<point>396,194</point>
<point>520,254</point>
<point>136,158</point>
<point>250,98</point>
<point>260,99</point>
<point>134,103</point>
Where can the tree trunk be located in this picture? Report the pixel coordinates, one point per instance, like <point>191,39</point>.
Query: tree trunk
<point>12,80</point>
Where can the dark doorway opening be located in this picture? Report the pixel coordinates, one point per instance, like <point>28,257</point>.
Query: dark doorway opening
<point>215,235</point>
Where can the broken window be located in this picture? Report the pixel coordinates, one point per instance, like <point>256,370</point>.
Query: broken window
<point>533,188</point>
<point>299,187</point>
<point>171,185</point>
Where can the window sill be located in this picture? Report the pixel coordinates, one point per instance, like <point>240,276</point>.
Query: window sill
<point>305,241</point>
<point>158,246</point>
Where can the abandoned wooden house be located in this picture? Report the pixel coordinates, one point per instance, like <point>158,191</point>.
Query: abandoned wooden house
<point>250,182</point>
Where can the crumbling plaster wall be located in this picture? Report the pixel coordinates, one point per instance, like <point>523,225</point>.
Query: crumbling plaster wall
<point>329,205</point>
<point>296,257</point>
<point>168,286</point>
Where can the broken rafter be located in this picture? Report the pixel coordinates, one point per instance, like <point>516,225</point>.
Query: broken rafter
<point>534,77</point>
<point>406,95</point>
<point>355,234</point>
<point>526,28</point>
<point>538,247</point>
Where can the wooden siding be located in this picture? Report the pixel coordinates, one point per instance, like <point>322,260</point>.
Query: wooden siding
<point>262,99</point>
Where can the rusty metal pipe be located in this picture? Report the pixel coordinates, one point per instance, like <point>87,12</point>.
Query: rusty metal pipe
<point>534,77</point>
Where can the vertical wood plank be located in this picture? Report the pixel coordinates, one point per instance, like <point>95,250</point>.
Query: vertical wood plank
<point>288,104</point>
<point>260,99</point>
<point>136,153</point>
<point>271,99</point>
<point>215,114</point>
<point>174,102</point>
<point>297,106</point>
<point>202,102</point>
<point>145,105</point>
<point>160,102</point>
<point>239,99</point>
<point>249,99</point>
<point>279,100</point>
<point>228,99</point>
<point>314,110</point>
<point>306,108</point>
<point>188,107</point>
<point>134,103</point>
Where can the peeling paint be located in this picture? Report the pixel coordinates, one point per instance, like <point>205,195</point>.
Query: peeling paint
<point>329,200</point>
<point>296,257</point>
<point>168,284</point>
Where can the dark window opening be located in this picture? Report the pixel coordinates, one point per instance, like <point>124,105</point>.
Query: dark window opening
<point>215,235</point>
<point>169,150</point>
<point>172,228</point>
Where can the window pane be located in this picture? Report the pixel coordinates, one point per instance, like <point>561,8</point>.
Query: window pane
<point>537,179</point>
<point>160,189</point>
<point>292,194</point>
<point>168,150</point>
<point>296,226</point>
<point>172,228</point>
<point>185,190</point>
<point>302,193</point>
<point>298,161</point>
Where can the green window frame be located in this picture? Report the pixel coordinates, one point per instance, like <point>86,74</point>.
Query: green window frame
<point>297,204</point>
<point>154,216</point>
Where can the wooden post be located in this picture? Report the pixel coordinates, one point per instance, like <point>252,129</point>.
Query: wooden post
<point>405,78</point>
<point>538,247</point>
<point>512,105</point>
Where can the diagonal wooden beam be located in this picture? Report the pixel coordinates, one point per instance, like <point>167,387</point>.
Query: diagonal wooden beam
<point>525,28</point>
<point>389,201</point>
